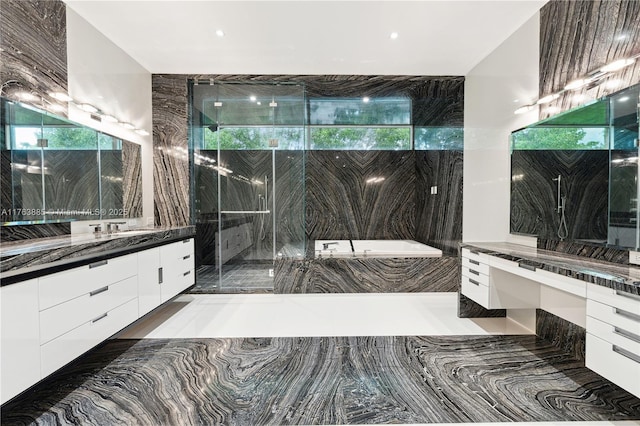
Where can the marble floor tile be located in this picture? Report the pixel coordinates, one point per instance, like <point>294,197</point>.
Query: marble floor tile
<point>296,315</point>
<point>323,380</point>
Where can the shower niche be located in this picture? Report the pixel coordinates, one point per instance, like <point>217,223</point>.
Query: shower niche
<point>574,176</point>
<point>247,155</point>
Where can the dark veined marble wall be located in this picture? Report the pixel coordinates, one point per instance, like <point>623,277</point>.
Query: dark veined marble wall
<point>339,203</point>
<point>131,179</point>
<point>33,37</point>
<point>584,183</point>
<point>577,37</point>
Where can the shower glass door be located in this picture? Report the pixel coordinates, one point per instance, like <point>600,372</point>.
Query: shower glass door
<point>253,139</point>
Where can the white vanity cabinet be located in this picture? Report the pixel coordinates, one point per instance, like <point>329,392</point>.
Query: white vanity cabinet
<point>177,268</point>
<point>49,321</point>
<point>20,328</point>
<point>81,307</point>
<point>475,277</point>
<point>613,336</point>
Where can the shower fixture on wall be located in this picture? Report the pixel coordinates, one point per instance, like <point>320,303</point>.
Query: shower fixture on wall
<point>563,231</point>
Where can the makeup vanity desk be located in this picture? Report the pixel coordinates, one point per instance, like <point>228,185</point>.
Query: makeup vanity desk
<point>599,296</point>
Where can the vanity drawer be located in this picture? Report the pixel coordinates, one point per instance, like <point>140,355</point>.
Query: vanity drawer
<point>474,255</point>
<point>477,292</point>
<point>614,363</point>
<point>475,265</point>
<point>474,275</point>
<point>616,298</point>
<point>62,286</point>
<point>619,336</point>
<point>67,347</point>
<point>66,316</point>
<point>614,316</point>
<point>184,248</point>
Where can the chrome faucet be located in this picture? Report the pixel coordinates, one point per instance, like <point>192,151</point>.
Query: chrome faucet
<point>114,226</point>
<point>325,246</point>
<point>97,229</point>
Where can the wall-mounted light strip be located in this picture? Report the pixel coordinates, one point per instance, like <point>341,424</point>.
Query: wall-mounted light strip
<point>591,78</point>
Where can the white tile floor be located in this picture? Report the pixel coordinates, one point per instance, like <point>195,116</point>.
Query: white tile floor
<point>297,315</point>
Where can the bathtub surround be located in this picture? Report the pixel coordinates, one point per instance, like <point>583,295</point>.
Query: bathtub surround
<point>594,33</point>
<point>585,183</point>
<point>325,380</point>
<point>34,39</point>
<point>363,275</point>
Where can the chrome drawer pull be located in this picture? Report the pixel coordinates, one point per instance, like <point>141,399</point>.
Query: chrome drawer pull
<point>186,257</point>
<point>99,318</point>
<point>629,315</point>
<point>160,276</point>
<point>625,353</point>
<point>475,262</point>
<point>527,267</point>
<point>186,273</point>
<point>473,281</point>
<point>98,291</point>
<point>97,264</point>
<point>627,295</point>
<point>474,272</point>
<point>629,335</point>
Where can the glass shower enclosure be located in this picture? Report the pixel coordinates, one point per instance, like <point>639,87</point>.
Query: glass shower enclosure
<point>247,151</point>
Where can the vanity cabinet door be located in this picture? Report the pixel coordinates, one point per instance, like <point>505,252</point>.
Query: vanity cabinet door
<point>20,351</point>
<point>149,278</point>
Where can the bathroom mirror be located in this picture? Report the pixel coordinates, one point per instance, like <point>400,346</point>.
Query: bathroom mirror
<point>55,170</point>
<point>574,176</point>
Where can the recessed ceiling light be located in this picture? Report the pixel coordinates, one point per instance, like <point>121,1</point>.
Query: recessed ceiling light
<point>576,84</point>
<point>547,99</point>
<point>365,99</point>
<point>523,109</point>
<point>617,65</point>
<point>142,132</point>
<point>624,99</point>
<point>220,33</point>
<point>128,126</point>
<point>109,118</point>
<point>393,35</point>
<point>252,98</point>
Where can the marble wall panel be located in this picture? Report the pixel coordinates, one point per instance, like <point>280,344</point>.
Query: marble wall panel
<point>563,334</point>
<point>28,232</point>
<point>290,198</point>
<point>170,156</point>
<point>577,37</point>
<point>439,216</point>
<point>132,179</point>
<point>33,37</point>
<point>362,275</point>
<point>585,183</point>
<point>599,252</point>
<point>341,204</point>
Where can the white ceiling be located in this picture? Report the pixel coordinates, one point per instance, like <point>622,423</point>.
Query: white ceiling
<point>307,37</point>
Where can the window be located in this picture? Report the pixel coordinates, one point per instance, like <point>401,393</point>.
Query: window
<point>360,123</point>
<point>560,138</point>
<point>439,138</point>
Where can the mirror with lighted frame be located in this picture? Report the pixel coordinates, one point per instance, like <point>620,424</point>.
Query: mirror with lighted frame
<point>55,170</point>
<point>574,176</point>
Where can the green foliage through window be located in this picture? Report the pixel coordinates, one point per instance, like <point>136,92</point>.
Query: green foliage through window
<point>559,138</point>
<point>361,138</point>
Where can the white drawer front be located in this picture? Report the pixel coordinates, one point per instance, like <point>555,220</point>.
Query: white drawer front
<point>66,285</point>
<point>477,292</point>
<point>561,282</point>
<point>614,316</point>
<point>184,248</point>
<point>480,257</point>
<point>475,276</point>
<point>185,263</point>
<point>615,335</point>
<point>64,317</point>
<point>625,301</point>
<point>475,265</point>
<point>67,347</point>
<point>607,360</point>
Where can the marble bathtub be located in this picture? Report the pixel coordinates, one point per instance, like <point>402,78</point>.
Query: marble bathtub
<point>387,266</point>
<point>374,248</point>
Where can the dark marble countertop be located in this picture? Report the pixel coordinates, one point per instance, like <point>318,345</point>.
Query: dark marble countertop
<point>21,260</point>
<point>620,277</point>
